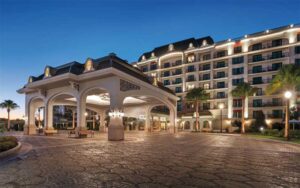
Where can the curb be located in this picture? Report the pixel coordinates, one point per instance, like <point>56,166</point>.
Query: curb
<point>11,152</point>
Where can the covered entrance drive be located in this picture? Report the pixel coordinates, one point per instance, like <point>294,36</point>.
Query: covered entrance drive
<point>107,89</point>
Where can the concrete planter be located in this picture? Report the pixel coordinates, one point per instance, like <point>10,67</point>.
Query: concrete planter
<point>11,152</point>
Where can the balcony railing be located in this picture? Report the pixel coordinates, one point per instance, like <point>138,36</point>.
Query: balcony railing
<point>274,116</point>
<point>190,79</point>
<point>220,76</point>
<point>176,73</point>
<point>269,44</point>
<point>262,81</point>
<point>266,104</point>
<point>191,70</point>
<point>268,57</point>
<point>266,69</point>
<point>177,63</point>
<point>220,66</point>
<point>203,79</point>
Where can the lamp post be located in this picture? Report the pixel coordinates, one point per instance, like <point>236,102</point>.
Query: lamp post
<point>287,95</point>
<point>221,106</point>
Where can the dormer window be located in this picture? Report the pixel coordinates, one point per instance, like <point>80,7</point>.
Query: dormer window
<point>204,43</point>
<point>30,79</point>
<point>88,66</point>
<point>171,47</point>
<point>191,45</point>
<point>143,58</point>
<point>152,54</point>
<point>47,72</point>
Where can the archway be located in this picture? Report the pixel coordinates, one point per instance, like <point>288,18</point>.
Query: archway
<point>187,125</point>
<point>61,111</point>
<point>36,115</point>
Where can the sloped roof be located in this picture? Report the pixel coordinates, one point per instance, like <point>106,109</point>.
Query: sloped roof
<point>101,63</point>
<point>178,46</point>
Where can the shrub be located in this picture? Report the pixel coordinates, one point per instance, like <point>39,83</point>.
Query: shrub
<point>295,134</point>
<point>7,142</point>
<point>278,126</point>
<point>271,132</point>
<point>260,121</point>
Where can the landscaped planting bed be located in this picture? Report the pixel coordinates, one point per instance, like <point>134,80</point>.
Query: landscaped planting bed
<point>7,143</point>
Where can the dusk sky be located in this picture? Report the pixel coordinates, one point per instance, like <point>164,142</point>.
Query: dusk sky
<point>34,34</point>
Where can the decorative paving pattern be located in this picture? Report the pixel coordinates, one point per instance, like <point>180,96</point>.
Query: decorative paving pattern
<point>154,160</point>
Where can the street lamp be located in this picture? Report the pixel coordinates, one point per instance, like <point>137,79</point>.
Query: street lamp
<point>221,106</point>
<point>287,95</point>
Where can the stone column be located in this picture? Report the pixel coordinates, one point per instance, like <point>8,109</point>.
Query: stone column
<point>81,118</point>
<point>115,128</point>
<point>102,127</point>
<point>173,118</point>
<point>49,116</point>
<point>147,120</point>
<point>30,128</point>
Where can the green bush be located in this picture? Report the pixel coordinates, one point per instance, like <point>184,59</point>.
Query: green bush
<point>295,134</point>
<point>271,132</point>
<point>7,142</point>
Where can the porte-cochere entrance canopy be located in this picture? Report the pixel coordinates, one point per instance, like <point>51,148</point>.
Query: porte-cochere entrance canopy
<point>108,85</point>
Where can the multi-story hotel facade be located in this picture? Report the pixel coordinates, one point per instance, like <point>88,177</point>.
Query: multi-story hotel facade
<point>218,67</point>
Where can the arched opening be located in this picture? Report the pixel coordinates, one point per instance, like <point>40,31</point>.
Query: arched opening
<point>206,125</point>
<point>160,118</point>
<point>187,125</point>
<point>96,104</point>
<point>62,111</point>
<point>147,113</point>
<point>36,113</point>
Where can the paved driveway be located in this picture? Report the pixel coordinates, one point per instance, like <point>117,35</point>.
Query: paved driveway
<point>154,160</point>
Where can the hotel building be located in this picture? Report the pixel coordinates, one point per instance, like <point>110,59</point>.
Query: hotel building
<point>218,67</point>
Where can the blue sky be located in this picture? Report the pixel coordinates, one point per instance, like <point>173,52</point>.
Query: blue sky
<point>34,34</point>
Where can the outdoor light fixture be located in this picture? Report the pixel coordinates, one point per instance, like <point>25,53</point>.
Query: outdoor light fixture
<point>288,94</point>
<point>116,113</point>
<point>221,106</point>
<point>261,129</point>
<point>86,114</point>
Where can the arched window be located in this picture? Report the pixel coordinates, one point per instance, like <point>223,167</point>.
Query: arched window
<point>205,124</point>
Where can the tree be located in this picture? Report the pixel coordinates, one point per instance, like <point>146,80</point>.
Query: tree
<point>287,79</point>
<point>197,95</point>
<point>8,105</point>
<point>243,90</point>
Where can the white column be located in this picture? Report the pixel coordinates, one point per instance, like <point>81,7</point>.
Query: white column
<point>115,128</point>
<point>49,115</point>
<point>173,116</point>
<point>81,109</point>
<point>102,127</point>
<point>147,120</point>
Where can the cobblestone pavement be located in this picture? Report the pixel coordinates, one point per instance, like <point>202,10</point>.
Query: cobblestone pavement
<point>154,160</point>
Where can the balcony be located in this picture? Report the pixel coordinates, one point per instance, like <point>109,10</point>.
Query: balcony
<point>220,96</point>
<point>191,70</point>
<point>270,44</point>
<point>274,116</point>
<point>268,57</point>
<point>176,82</point>
<point>266,104</point>
<point>176,73</point>
<point>220,86</point>
<point>190,79</point>
<point>203,78</point>
<point>220,76</point>
<point>220,66</point>
<point>262,81</point>
<point>177,63</point>
<point>266,69</point>
<point>165,75</point>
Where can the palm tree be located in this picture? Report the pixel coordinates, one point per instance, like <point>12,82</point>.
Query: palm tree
<point>197,95</point>
<point>243,90</point>
<point>288,78</point>
<point>8,105</point>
